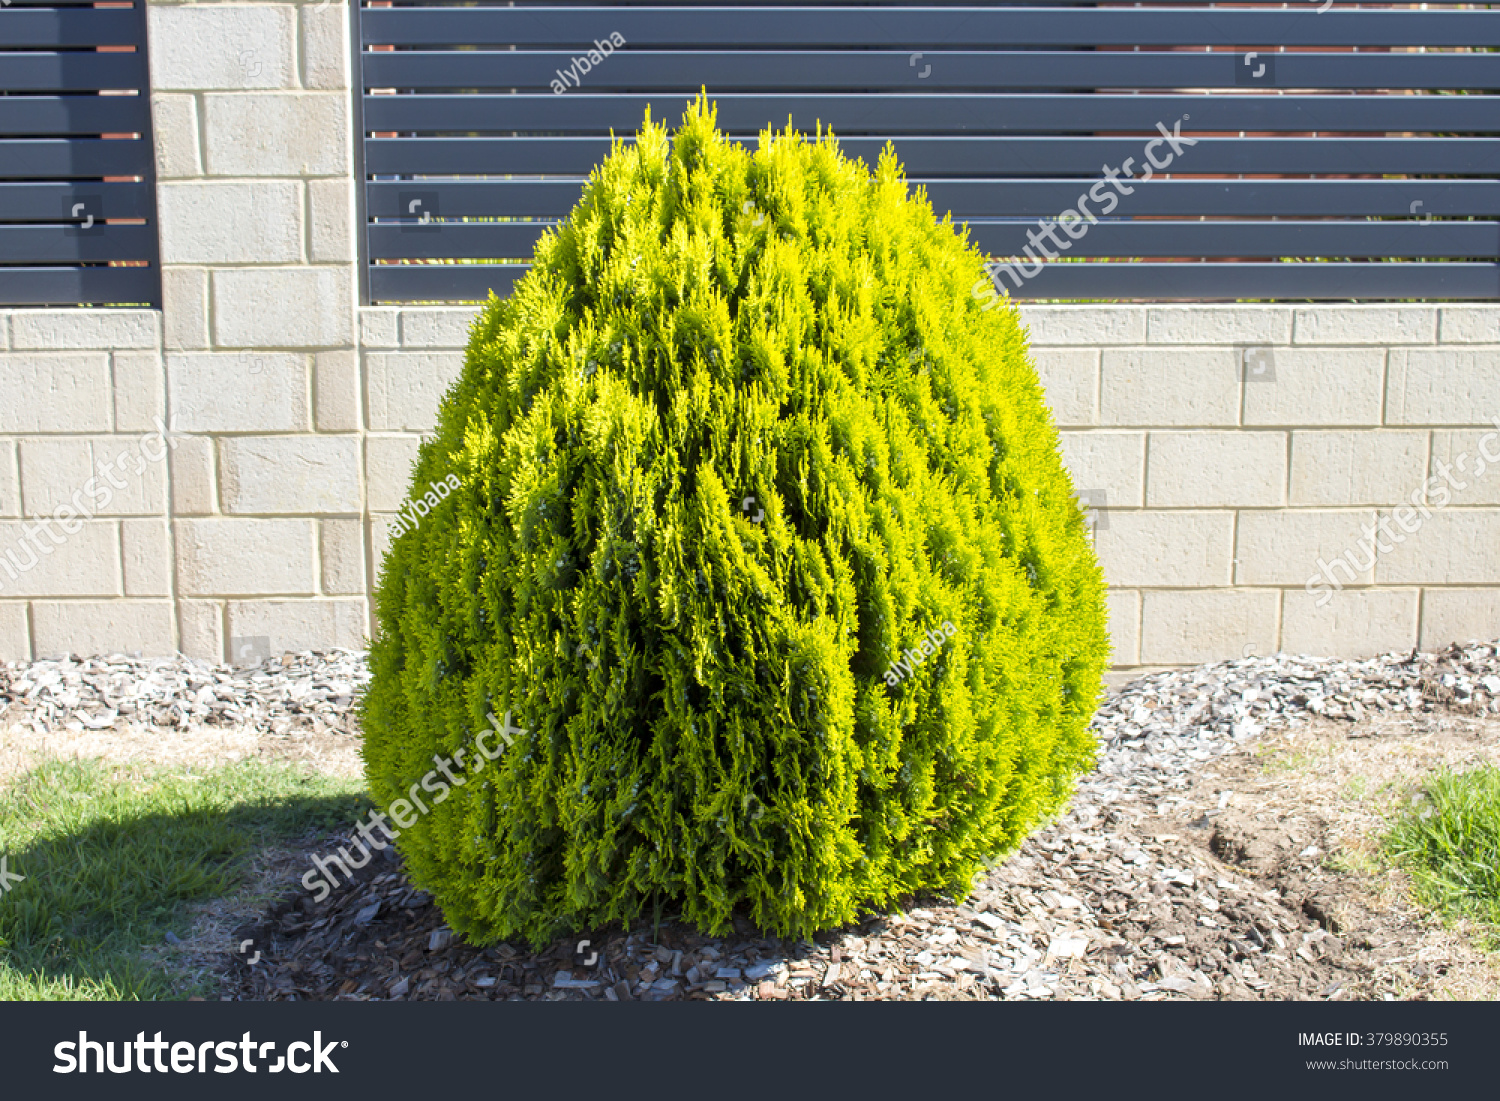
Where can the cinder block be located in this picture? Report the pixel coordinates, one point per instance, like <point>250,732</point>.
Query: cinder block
<point>290,474</point>
<point>42,558</point>
<point>139,386</point>
<point>1355,623</point>
<point>378,327</point>
<point>1124,608</point>
<point>388,469</point>
<point>331,203</point>
<point>105,476</point>
<point>336,391</point>
<point>342,544</point>
<point>15,636</point>
<point>437,326</point>
<point>10,480</point>
<point>285,134</point>
<point>1365,325</point>
<point>90,628</point>
<point>223,222</point>
<point>1463,452</point>
<point>405,388</point>
<point>236,556</point>
<point>1209,469</point>
<point>1108,461</point>
<point>1190,628</point>
<point>1318,386</point>
<point>1215,324</point>
<point>175,119</point>
<point>284,307</point>
<point>1379,467</point>
<point>148,557</point>
<point>1166,548</point>
<point>1158,387</point>
<point>325,46</point>
<point>1443,386</point>
<point>84,330</point>
<point>1070,376</point>
<point>192,469</point>
<point>1459,615</point>
<point>238,392</point>
<point>185,308</point>
<point>1285,547</point>
<point>1469,325</point>
<point>1084,324</point>
<point>1451,547</point>
<point>296,625</point>
<point>200,624</point>
<point>202,47</point>
<point>64,393</point>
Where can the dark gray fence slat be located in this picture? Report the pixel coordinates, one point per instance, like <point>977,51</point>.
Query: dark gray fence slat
<point>79,286</point>
<point>441,282</point>
<point>468,240</point>
<point>1232,281</point>
<point>516,198</point>
<point>940,113</point>
<point>811,26</point>
<point>67,27</point>
<point>44,159</point>
<point>721,71</point>
<point>71,72</point>
<point>52,202</point>
<point>27,115</point>
<point>59,245</point>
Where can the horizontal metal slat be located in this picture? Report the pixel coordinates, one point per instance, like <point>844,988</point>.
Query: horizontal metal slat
<point>79,286</point>
<point>54,202</point>
<point>28,115</point>
<point>723,70</point>
<point>54,159</point>
<point>69,27</point>
<point>59,245</point>
<point>935,113</point>
<point>1230,281</point>
<point>814,26</point>
<point>442,282</point>
<point>1010,156</point>
<point>71,72</point>
<point>514,198</point>
<point>471,240</point>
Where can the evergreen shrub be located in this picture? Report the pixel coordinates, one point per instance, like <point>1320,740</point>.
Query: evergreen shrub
<point>761,536</point>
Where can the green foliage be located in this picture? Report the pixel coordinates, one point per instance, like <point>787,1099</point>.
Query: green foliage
<point>713,718</point>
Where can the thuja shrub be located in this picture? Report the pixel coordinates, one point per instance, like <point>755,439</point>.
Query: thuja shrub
<point>763,542</point>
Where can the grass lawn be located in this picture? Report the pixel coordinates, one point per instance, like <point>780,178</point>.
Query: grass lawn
<point>115,857</point>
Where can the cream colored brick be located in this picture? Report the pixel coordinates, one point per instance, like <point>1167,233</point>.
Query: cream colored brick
<point>1070,376</point>
<point>284,307</point>
<point>1443,386</point>
<point>64,393</point>
<point>325,46</point>
<point>230,557</point>
<point>41,558</point>
<point>1151,387</point>
<point>1462,451</point>
<point>84,330</point>
<point>1166,548</point>
<point>185,308</point>
<point>1189,628</point>
<point>1285,547</point>
<point>1215,324</point>
<point>405,388</point>
<point>295,625</point>
<point>201,627</point>
<point>380,541</point>
<point>1365,324</point>
<point>336,391</point>
<point>379,327</point>
<point>1355,623</point>
<point>388,469</point>
<point>201,47</point>
<point>224,222</point>
<point>238,392</point>
<point>1469,325</point>
<point>1108,461</point>
<point>4,331</point>
<point>436,327</point>
<point>1452,547</point>
<point>1216,469</point>
<point>88,628</point>
<point>15,635</point>
<point>1084,324</point>
<point>1459,615</point>
<point>139,379</point>
<point>1124,606</point>
<point>148,557</point>
<point>175,118</point>
<point>192,470</point>
<point>342,545</point>
<point>1318,386</point>
<point>10,480</point>
<point>331,203</point>
<point>127,481</point>
<point>286,134</point>
<point>1379,467</point>
<point>290,474</point>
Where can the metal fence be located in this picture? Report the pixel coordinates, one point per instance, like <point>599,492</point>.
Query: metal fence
<point>1184,151</point>
<point>77,172</point>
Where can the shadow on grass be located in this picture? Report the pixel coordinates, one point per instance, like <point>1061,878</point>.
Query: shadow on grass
<point>114,859</point>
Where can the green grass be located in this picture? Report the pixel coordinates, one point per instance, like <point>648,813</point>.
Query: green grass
<point>115,858</point>
<point>1448,839</point>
